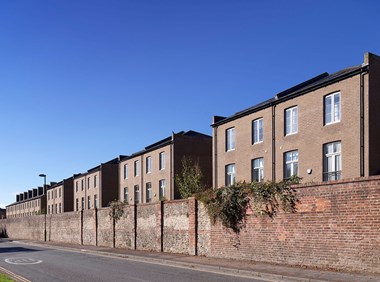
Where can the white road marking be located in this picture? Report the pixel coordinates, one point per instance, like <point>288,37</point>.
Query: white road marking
<point>22,260</point>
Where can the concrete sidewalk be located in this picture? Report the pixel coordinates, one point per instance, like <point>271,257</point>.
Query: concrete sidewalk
<point>266,271</point>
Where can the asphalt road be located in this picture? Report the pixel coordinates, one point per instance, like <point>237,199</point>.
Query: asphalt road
<point>47,264</point>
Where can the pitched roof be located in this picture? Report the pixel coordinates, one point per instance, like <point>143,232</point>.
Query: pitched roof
<point>314,83</point>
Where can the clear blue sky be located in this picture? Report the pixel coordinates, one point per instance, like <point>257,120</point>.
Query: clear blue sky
<point>84,81</point>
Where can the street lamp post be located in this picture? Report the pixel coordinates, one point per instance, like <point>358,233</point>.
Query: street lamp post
<point>44,189</point>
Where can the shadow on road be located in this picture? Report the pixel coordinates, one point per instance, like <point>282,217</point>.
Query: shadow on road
<point>17,250</point>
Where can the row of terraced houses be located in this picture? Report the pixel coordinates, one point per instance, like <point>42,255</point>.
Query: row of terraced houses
<point>323,129</point>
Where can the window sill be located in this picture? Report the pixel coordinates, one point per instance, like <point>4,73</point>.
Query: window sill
<point>334,122</point>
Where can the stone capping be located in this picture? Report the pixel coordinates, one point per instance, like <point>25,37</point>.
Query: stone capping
<point>337,182</point>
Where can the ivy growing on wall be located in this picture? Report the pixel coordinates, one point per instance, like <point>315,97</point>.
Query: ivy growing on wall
<point>230,204</point>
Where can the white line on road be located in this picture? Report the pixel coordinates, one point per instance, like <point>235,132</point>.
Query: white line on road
<point>13,275</point>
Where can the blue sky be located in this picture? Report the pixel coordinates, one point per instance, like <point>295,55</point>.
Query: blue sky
<point>82,82</point>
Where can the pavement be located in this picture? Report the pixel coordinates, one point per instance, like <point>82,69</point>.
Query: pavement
<point>242,268</point>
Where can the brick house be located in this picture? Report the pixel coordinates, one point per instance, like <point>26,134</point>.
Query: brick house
<point>149,175</point>
<point>97,187</point>
<point>322,129</point>
<point>60,197</point>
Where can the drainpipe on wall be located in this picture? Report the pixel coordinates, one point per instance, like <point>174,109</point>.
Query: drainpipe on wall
<point>171,168</point>
<point>362,123</point>
<point>215,157</point>
<point>142,171</point>
<point>273,142</point>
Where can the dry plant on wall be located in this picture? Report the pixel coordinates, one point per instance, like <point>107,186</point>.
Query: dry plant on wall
<point>229,204</point>
<point>115,212</point>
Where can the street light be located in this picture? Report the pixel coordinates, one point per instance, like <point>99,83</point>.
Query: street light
<point>44,176</point>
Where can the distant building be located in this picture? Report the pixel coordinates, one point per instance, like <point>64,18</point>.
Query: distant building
<point>326,128</point>
<point>149,175</point>
<point>3,213</point>
<point>29,203</point>
<point>97,187</point>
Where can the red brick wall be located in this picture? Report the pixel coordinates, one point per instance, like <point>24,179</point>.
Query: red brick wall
<point>337,226</point>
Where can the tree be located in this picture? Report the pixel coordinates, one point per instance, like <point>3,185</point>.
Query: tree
<point>190,180</point>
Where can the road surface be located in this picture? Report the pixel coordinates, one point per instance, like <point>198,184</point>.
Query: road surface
<point>48,264</point>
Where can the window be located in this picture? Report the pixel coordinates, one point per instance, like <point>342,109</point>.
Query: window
<point>162,185</point>
<point>291,164</point>
<point>137,194</point>
<point>95,180</point>
<point>126,195</point>
<point>332,163</point>
<point>148,165</point>
<point>48,195</point>
<point>230,139</point>
<point>149,192</point>
<point>60,193</point>
<point>230,174</point>
<point>88,202</point>
<point>77,204</point>
<point>82,203</point>
<point>88,183</point>
<point>257,131</point>
<point>332,108</point>
<point>258,170</point>
<point>126,171</point>
<point>48,209</point>
<point>82,182</point>
<point>95,201</point>
<point>56,208</point>
<point>60,208</point>
<point>291,121</point>
<point>162,161</point>
<point>76,186</point>
<point>137,168</point>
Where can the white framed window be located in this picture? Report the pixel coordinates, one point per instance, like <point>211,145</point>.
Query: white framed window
<point>162,185</point>
<point>76,186</point>
<point>137,194</point>
<point>95,180</point>
<point>137,168</point>
<point>291,121</point>
<point>88,202</point>
<point>332,108</point>
<point>83,207</point>
<point>60,193</point>
<point>161,161</point>
<point>258,170</point>
<point>257,131</point>
<point>290,164</point>
<point>332,161</point>
<point>88,183</point>
<point>148,164</point>
<point>230,174</point>
<point>82,184</point>
<point>148,192</point>
<point>126,195</point>
<point>77,204</point>
<point>95,201</point>
<point>126,171</point>
<point>230,139</point>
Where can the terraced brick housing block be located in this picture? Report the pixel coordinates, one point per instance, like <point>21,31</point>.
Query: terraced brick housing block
<point>149,175</point>
<point>323,129</point>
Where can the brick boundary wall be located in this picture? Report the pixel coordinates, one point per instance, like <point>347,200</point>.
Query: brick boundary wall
<point>337,226</point>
